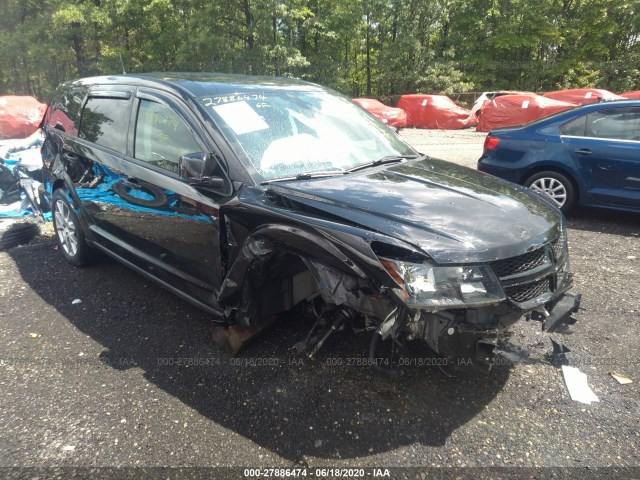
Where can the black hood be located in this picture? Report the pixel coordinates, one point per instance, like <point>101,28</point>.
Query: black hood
<point>452,213</point>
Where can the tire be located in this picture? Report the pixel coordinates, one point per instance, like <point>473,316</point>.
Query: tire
<point>556,186</point>
<point>68,230</point>
<point>158,197</point>
<point>17,234</point>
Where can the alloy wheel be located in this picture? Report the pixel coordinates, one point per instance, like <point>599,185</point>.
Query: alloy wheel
<point>551,187</point>
<point>66,228</point>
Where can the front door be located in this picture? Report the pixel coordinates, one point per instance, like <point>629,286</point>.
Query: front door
<point>153,219</point>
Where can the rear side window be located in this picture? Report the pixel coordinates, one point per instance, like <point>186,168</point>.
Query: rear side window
<point>614,123</point>
<point>105,122</point>
<point>65,111</point>
<point>162,137</point>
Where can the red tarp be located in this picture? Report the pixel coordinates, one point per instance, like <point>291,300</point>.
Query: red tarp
<point>633,95</point>
<point>394,117</point>
<point>511,110</point>
<point>20,116</point>
<point>581,96</point>
<point>435,111</point>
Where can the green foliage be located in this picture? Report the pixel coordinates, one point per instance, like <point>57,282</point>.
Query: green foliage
<point>360,47</point>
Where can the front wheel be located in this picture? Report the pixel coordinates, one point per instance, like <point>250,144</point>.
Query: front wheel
<point>68,230</point>
<point>556,186</point>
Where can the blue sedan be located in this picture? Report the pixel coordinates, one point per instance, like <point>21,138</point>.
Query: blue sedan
<point>588,155</point>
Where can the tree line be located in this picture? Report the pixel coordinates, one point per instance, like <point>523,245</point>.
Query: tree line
<point>375,48</point>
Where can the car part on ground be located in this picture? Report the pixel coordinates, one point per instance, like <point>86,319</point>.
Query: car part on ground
<point>435,112</point>
<point>587,156</point>
<point>271,201</point>
<point>16,232</point>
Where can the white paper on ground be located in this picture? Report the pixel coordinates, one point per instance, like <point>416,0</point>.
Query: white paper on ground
<point>577,385</point>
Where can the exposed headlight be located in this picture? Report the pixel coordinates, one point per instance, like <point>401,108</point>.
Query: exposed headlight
<point>430,286</point>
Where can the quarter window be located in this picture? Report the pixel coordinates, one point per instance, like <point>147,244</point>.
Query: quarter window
<point>162,137</point>
<point>574,128</point>
<point>104,122</point>
<point>65,112</point>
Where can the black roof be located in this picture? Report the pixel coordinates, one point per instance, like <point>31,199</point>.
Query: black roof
<point>201,84</point>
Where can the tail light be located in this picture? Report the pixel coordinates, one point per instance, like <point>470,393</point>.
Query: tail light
<point>490,143</point>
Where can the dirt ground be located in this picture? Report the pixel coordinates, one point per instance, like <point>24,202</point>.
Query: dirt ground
<point>460,146</point>
<point>100,367</point>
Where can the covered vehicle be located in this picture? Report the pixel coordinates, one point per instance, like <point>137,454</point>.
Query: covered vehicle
<point>633,95</point>
<point>582,96</point>
<point>252,196</point>
<point>20,116</point>
<point>512,110</point>
<point>435,112</point>
<point>586,156</point>
<point>486,97</point>
<point>392,116</point>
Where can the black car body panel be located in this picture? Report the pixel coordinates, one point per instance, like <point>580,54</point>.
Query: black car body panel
<point>161,175</point>
<point>438,206</point>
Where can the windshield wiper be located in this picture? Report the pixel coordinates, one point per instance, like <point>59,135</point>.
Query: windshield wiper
<point>385,160</point>
<point>305,176</point>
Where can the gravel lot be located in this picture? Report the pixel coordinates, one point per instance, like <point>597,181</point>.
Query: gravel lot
<point>99,383</point>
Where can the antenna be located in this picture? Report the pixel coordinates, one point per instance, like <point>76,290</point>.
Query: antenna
<point>122,63</point>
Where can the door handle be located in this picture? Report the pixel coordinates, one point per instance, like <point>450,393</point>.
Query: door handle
<point>583,151</point>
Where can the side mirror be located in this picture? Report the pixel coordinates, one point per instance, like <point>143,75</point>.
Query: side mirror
<point>196,168</point>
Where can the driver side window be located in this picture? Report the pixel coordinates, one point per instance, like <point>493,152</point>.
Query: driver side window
<point>162,136</point>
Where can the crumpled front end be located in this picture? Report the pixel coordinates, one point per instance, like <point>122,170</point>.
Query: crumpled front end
<point>462,311</point>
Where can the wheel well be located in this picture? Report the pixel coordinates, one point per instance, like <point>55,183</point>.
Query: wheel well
<point>550,168</point>
<point>56,185</point>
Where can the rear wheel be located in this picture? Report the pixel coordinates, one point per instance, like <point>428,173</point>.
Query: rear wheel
<point>68,230</point>
<point>556,186</point>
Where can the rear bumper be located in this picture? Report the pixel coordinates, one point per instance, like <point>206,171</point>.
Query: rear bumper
<point>487,165</point>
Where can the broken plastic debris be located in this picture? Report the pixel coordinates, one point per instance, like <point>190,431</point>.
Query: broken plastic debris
<point>76,301</point>
<point>621,379</point>
<point>577,385</point>
<point>34,335</point>
<point>69,448</point>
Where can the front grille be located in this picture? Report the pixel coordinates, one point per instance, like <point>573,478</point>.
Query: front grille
<point>521,263</point>
<point>528,291</point>
<point>531,275</point>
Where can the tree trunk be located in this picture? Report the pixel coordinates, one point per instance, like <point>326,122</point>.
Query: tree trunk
<point>77,43</point>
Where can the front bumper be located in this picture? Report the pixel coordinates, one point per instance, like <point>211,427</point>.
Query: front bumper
<point>558,314</point>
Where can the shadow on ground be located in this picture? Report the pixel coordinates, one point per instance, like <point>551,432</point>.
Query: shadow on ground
<point>605,221</point>
<point>292,408</point>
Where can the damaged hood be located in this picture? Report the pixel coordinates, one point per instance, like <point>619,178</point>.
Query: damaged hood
<point>452,213</point>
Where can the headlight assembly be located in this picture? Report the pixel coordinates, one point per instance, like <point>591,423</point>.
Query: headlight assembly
<point>429,286</point>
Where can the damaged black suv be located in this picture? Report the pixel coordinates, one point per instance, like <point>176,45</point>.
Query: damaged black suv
<point>252,196</point>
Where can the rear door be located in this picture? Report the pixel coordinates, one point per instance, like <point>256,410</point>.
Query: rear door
<point>605,144</point>
<point>99,147</point>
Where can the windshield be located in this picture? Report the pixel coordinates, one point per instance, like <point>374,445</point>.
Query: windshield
<point>284,133</point>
